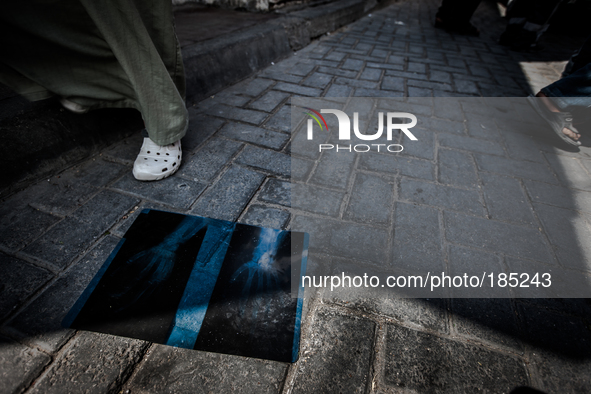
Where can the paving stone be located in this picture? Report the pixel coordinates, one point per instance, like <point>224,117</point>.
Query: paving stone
<point>73,235</point>
<point>470,144</point>
<point>370,200</point>
<point>522,147</point>
<point>417,68</point>
<point>126,220</point>
<point>59,196</point>
<point>339,91</point>
<point>569,171</point>
<point>559,196</point>
<point>92,363</point>
<point>516,168</point>
<point>391,164</point>
<point>381,66</point>
<point>41,320</point>
<point>19,365</point>
<point>262,216</point>
<point>424,147</point>
<point>315,199</point>
<point>300,168</point>
<point>417,239</point>
<point>163,366</point>
<point>276,74</point>
<point>243,115</point>
<point>423,362</point>
<point>441,125</point>
<point>489,319</point>
<point>519,241</point>
<point>208,161</point>
<point>393,83</point>
<point>369,246</point>
<point>317,80</point>
<point>269,101</point>
<point>20,226</point>
<point>356,83</point>
<point>228,197</point>
<point>256,135</point>
<point>277,192</point>
<point>253,87</point>
<point>440,196</point>
<point>371,74</point>
<point>18,281</point>
<point>337,358</point>
<point>505,199</point>
<point>201,127</point>
<point>568,231</point>
<point>126,150</point>
<point>351,64</point>
<point>336,56</point>
<point>480,126</point>
<point>456,168</point>
<point>334,169</point>
<point>174,191</point>
<point>274,162</point>
<point>281,121</point>
<point>297,89</point>
<point>302,69</point>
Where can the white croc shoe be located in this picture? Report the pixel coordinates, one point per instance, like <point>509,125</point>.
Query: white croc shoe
<point>73,107</point>
<point>156,162</point>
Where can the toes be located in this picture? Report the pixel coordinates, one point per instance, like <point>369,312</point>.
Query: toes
<point>570,134</point>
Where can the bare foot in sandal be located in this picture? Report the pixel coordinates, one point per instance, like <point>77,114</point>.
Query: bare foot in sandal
<point>550,105</point>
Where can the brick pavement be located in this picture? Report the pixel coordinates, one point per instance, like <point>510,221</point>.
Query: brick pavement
<point>478,178</point>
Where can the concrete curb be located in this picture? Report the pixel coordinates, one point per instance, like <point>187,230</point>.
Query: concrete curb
<point>41,138</point>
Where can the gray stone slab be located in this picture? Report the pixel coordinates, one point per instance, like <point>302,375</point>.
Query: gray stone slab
<point>243,115</point>
<point>337,72</point>
<point>441,125</point>
<point>371,74</point>
<point>448,108</point>
<point>269,101</point>
<point>569,232</point>
<point>334,169</point>
<point>481,126</point>
<point>370,243</point>
<point>339,91</point>
<point>18,281</point>
<point>126,150</point>
<point>516,168</point>
<point>559,196</point>
<point>490,319</point>
<point>297,89</point>
<point>424,147</point>
<point>172,370</point>
<point>19,365</point>
<point>371,200</point>
<point>174,191</point>
<point>337,359</point>
<point>417,239</point>
<point>59,196</point>
<point>392,164</point>
<point>255,135</point>
<point>522,147</point>
<point>281,121</point>
<point>456,168</point>
<point>426,363</point>
<point>20,226</point>
<point>228,197</point>
<point>317,80</point>
<point>267,160</point>
<point>209,160</point>
<point>570,172</point>
<point>519,241</point>
<point>278,75</point>
<point>41,320</point>
<point>263,216</point>
<point>277,192</point>
<point>92,363</point>
<point>201,127</point>
<point>252,87</point>
<point>393,83</point>
<point>470,144</point>
<point>315,199</point>
<point>73,235</point>
<point>505,199</point>
<point>441,196</point>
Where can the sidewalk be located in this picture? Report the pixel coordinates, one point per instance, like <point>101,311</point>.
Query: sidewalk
<point>55,234</point>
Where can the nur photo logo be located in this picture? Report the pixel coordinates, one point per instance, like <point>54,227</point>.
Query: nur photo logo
<point>393,121</point>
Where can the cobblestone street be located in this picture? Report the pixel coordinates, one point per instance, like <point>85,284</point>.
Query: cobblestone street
<point>500,194</point>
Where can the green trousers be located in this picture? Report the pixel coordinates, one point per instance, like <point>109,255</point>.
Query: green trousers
<point>99,54</point>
